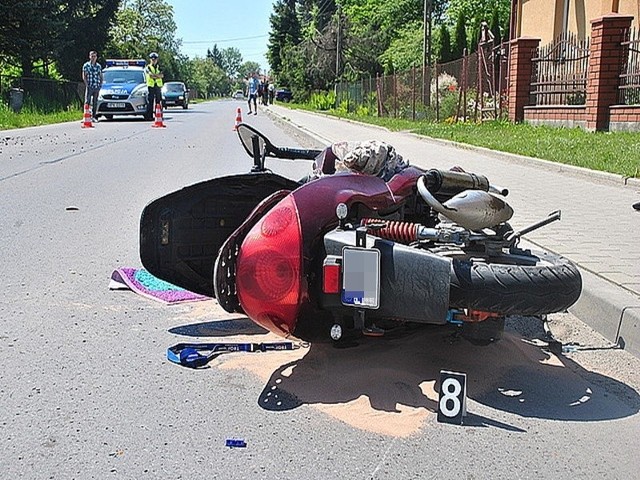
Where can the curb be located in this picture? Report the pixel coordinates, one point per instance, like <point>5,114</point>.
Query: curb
<point>602,302</point>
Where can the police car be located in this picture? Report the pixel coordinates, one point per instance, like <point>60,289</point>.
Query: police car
<point>124,90</point>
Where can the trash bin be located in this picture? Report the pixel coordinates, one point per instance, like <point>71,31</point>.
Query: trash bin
<point>16,97</point>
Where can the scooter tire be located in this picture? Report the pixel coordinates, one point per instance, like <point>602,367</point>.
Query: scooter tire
<point>519,283</point>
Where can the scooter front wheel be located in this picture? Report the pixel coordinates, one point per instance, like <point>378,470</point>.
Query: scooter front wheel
<point>517,283</point>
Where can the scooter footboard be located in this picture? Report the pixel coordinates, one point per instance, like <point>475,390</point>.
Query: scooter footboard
<point>414,284</point>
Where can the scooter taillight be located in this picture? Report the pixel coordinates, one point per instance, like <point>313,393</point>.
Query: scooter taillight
<point>269,269</point>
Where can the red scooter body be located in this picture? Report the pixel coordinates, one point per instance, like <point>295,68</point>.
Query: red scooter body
<point>275,264</point>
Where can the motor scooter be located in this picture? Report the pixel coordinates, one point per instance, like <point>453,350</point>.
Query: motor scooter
<point>344,253</point>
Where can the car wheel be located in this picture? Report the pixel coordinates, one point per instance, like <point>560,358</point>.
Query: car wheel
<point>185,106</point>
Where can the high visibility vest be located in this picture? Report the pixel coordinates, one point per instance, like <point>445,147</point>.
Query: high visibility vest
<point>153,82</point>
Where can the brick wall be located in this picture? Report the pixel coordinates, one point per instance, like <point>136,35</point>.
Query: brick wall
<point>521,52</point>
<point>624,118</point>
<point>606,60</point>
<point>567,116</point>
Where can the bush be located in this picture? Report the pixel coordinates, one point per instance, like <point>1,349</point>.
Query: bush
<point>322,100</point>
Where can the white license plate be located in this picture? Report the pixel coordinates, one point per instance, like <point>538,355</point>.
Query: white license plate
<point>361,277</point>
<point>116,105</point>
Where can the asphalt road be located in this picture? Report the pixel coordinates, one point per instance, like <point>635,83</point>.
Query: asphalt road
<point>87,393</point>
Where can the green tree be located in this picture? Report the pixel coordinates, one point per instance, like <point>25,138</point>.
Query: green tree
<point>215,56</point>
<point>285,31</point>
<point>495,27</point>
<point>444,44</point>
<point>405,51</point>
<point>459,38</point>
<point>143,26</point>
<point>50,32</point>
<point>87,26</point>
<point>247,68</point>
<point>231,59</point>
<point>208,79</point>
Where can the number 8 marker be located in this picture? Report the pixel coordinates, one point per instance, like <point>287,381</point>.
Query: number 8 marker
<point>452,395</point>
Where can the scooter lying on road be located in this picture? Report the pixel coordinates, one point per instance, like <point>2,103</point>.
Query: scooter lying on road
<point>365,245</point>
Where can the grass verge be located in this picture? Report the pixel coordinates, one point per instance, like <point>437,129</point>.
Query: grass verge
<point>617,152</point>
<point>32,117</point>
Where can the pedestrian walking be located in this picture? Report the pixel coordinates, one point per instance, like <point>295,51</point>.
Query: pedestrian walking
<point>252,92</point>
<point>154,84</point>
<point>93,79</point>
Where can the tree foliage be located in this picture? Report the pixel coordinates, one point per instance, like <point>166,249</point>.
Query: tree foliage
<point>144,26</point>
<point>54,32</point>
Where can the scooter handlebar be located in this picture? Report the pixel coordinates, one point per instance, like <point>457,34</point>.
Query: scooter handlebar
<point>296,153</point>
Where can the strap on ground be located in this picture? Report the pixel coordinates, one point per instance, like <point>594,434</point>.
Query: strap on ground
<point>195,355</point>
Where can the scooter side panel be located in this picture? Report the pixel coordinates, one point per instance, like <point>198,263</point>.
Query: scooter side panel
<point>414,284</point>
<point>182,232</point>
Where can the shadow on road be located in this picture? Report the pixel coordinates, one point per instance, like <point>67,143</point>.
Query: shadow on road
<point>513,375</point>
<point>400,375</point>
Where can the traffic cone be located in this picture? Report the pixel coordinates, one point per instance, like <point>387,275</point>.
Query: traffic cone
<point>159,123</point>
<point>238,118</point>
<point>86,117</point>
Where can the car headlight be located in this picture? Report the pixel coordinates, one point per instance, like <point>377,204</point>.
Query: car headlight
<point>140,91</point>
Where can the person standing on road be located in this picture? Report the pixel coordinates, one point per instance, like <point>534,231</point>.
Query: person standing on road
<point>92,77</point>
<point>265,92</point>
<point>154,84</point>
<point>272,91</point>
<point>252,92</point>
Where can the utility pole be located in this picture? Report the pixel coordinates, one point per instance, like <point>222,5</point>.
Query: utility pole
<point>338,34</point>
<point>426,54</point>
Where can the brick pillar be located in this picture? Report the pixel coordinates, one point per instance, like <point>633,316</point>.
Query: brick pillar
<point>606,59</point>
<point>520,69</point>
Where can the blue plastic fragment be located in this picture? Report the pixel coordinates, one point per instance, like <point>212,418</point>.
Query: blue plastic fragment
<point>235,443</point>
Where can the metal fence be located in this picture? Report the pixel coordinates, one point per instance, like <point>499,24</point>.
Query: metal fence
<point>44,94</point>
<point>560,71</point>
<point>472,87</point>
<point>630,78</point>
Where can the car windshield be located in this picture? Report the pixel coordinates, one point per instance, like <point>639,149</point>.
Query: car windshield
<point>174,87</point>
<point>124,76</point>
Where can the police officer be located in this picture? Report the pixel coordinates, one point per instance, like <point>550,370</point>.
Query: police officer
<point>154,84</point>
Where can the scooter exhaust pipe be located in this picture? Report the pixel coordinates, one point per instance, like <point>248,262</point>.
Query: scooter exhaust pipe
<point>447,183</point>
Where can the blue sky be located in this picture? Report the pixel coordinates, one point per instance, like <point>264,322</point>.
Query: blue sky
<point>241,24</point>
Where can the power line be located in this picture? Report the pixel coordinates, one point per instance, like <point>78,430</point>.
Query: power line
<point>222,41</point>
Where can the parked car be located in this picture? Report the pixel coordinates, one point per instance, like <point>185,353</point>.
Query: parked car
<point>284,95</point>
<point>124,91</point>
<point>175,94</point>
<point>239,95</point>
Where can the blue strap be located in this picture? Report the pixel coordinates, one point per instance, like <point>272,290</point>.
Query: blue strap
<point>189,354</point>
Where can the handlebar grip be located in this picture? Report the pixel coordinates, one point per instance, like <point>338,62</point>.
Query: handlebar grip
<point>297,153</point>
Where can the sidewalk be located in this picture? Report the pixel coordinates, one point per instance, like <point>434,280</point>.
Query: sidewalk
<point>599,229</point>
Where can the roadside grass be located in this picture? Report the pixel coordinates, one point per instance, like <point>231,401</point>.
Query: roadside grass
<point>29,117</point>
<point>617,152</point>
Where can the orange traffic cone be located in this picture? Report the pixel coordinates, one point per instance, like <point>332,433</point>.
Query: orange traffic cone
<point>159,123</point>
<point>238,118</point>
<point>86,117</point>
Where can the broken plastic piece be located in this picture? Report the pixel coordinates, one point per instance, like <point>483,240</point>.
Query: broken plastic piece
<point>235,443</point>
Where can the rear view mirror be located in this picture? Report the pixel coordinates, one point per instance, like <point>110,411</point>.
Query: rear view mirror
<point>255,148</point>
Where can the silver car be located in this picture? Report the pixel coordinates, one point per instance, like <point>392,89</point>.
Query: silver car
<point>124,91</point>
